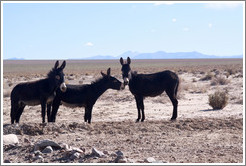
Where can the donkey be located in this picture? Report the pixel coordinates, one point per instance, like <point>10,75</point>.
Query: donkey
<point>144,85</point>
<point>37,92</point>
<point>85,95</point>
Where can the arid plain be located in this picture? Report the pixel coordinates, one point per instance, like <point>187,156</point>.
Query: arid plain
<point>199,135</point>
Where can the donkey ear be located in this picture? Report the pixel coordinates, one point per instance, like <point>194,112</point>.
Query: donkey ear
<point>121,61</point>
<point>63,65</point>
<point>56,64</point>
<point>108,71</point>
<point>128,60</point>
<point>104,75</point>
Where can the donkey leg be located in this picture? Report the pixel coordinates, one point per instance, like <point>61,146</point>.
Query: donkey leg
<point>43,107</point>
<point>89,112</point>
<point>142,108</point>
<point>14,110</point>
<point>19,112</point>
<point>137,98</point>
<point>86,114</point>
<point>48,112</point>
<point>172,97</point>
<point>55,106</point>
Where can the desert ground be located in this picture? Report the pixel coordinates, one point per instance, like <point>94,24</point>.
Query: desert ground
<point>199,135</point>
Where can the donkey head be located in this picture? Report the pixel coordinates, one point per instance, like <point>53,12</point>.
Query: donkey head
<point>112,82</point>
<point>125,69</point>
<point>57,75</point>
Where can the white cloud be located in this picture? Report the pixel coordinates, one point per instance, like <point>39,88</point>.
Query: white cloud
<point>219,5</point>
<point>174,20</point>
<point>210,25</point>
<point>89,44</point>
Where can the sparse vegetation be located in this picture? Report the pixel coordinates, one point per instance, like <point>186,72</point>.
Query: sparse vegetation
<point>207,77</point>
<point>230,71</point>
<point>115,114</point>
<point>196,88</point>
<point>218,100</point>
<point>6,93</point>
<point>220,80</point>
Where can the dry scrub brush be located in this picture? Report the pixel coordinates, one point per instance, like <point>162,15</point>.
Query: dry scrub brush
<point>219,80</point>
<point>207,77</point>
<point>218,100</point>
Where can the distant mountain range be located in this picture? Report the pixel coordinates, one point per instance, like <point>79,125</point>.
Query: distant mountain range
<point>14,58</point>
<point>163,55</point>
<point>155,55</point>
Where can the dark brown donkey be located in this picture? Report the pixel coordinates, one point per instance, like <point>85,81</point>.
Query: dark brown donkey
<point>37,92</point>
<point>144,85</point>
<point>85,95</point>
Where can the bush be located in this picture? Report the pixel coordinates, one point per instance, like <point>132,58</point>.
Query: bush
<point>209,76</point>
<point>220,80</point>
<point>218,100</point>
<point>230,71</point>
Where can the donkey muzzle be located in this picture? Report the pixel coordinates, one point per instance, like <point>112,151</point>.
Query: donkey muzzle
<point>63,87</point>
<point>122,86</point>
<point>126,81</point>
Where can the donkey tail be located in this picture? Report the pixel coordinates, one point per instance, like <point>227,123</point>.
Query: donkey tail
<point>177,87</point>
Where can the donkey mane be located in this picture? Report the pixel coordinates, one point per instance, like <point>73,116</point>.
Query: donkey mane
<point>51,73</point>
<point>98,81</point>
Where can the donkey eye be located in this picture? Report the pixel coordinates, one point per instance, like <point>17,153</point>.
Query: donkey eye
<point>58,77</point>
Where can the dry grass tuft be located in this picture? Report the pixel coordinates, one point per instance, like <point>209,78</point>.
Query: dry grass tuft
<point>207,77</point>
<point>218,100</point>
<point>220,80</point>
<point>6,93</point>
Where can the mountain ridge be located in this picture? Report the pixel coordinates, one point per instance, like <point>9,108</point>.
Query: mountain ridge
<point>154,55</point>
<point>163,55</point>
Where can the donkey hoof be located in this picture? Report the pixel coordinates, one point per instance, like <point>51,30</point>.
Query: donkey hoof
<point>173,119</point>
<point>137,120</point>
<point>142,120</point>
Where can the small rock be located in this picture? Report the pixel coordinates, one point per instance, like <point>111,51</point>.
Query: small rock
<point>78,139</point>
<point>6,161</point>
<point>65,146</point>
<point>26,140</point>
<point>9,146</point>
<point>44,143</point>
<point>97,152</point>
<point>75,155</point>
<point>120,159</point>
<point>150,160</point>
<point>66,154</point>
<point>123,160</point>
<point>31,156</point>
<point>173,144</point>
<point>70,78</point>
<point>10,139</point>
<point>105,152</point>
<point>48,149</point>
<point>130,160</point>
<point>39,157</point>
<point>119,153</point>
<point>113,155</point>
<point>158,161</point>
<point>77,150</point>
<point>37,152</point>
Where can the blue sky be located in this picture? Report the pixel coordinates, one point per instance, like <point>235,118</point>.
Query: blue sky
<point>78,30</point>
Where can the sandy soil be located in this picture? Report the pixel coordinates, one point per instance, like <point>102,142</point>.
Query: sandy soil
<point>199,135</point>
